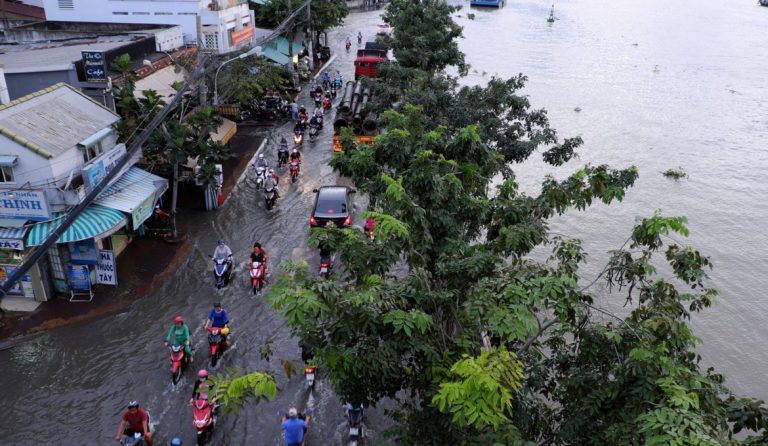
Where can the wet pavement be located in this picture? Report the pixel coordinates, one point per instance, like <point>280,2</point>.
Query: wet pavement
<point>73,382</point>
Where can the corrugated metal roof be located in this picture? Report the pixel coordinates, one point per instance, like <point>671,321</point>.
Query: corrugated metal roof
<point>161,81</point>
<point>54,119</point>
<point>60,58</point>
<point>133,187</point>
<point>94,221</point>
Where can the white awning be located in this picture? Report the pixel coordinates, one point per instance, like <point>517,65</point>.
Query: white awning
<point>135,193</point>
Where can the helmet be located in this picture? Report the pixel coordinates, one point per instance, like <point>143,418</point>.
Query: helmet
<point>257,245</point>
<point>225,331</point>
<point>202,373</point>
<point>175,442</point>
<point>295,150</point>
<point>292,412</point>
<point>261,156</point>
<point>221,241</point>
<point>133,403</point>
<point>271,171</point>
<point>217,305</point>
<point>178,319</point>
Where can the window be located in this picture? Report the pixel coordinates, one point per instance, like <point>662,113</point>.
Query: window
<point>140,13</point>
<point>92,151</point>
<point>119,13</point>
<point>66,4</point>
<point>163,13</point>
<point>6,174</point>
<point>57,266</point>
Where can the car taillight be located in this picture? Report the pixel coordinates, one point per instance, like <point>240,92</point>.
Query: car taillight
<point>312,220</point>
<point>348,220</point>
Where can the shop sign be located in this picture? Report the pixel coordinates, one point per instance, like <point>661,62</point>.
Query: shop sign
<point>106,270</point>
<point>21,286</point>
<point>24,204</point>
<point>143,211</point>
<point>83,252</point>
<point>94,65</point>
<point>12,243</point>
<point>99,167</point>
<point>242,35</point>
<point>79,278</point>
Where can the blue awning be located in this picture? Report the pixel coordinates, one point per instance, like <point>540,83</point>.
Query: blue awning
<point>14,233</point>
<point>8,160</point>
<point>275,56</point>
<point>94,222</point>
<point>131,190</point>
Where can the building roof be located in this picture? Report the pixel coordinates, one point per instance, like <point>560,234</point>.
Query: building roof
<point>53,120</point>
<point>161,81</point>
<point>26,58</point>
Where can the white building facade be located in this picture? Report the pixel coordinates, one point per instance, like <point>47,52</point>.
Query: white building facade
<point>224,25</point>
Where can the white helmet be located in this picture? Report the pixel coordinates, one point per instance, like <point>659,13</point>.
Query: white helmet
<point>261,156</point>
<point>292,412</point>
<point>271,171</point>
<point>295,150</point>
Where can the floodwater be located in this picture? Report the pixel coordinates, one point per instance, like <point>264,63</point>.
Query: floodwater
<point>659,84</point>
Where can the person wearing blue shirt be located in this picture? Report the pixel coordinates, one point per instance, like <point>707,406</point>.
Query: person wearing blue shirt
<point>217,318</point>
<point>294,427</point>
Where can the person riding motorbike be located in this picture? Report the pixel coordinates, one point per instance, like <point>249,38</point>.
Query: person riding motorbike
<point>259,255</point>
<point>282,151</point>
<point>179,333</point>
<point>359,38</point>
<point>303,118</point>
<point>260,161</point>
<point>326,79</point>
<point>312,83</point>
<point>218,318</point>
<point>222,251</point>
<point>347,44</point>
<point>134,420</point>
<point>338,80</point>
<point>294,427</point>
<point>201,385</point>
<point>296,155</point>
<point>272,182</point>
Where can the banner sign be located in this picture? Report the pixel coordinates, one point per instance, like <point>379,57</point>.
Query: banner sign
<point>79,278</point>
<point>19,287</point>
<point>12,243</point>
<point>106,270</point>
<point>94,66</point>
<point>143,211</point>
<point>24,204</point>
<point>98,168</point>
<point>83,252</point>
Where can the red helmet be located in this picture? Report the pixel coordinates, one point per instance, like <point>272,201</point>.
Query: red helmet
<point>202,373</point>
<point>178,319</point>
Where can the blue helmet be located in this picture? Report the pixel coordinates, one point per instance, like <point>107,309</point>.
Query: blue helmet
<point>176,441</point>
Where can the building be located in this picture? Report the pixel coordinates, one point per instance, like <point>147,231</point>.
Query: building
<point>15,13</point>
<point>39,55</point>
<point>57,144</point>
<point>214,25</point>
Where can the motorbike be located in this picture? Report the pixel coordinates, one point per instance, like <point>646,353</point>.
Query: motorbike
<point>294,171</point>
<point>326,83</point>
<point>216,343</point>
<point>347,45</point>
<point>314,131</point>
<point>298,136</point>
<point>354,422</point>
<point>337,83</point>
<point>137,439</point>
<point>272,108</point>
<point>326,266</point>
<point>261,175</point>
<point>282,156</point>
<point>204,419</point>
<point>257,276</point>
<point>270,197</point>
<point>326,104</point>
<point>309,376</point>
<point>222,272</point>
<point>333,91</point>
<point>179,362</point>
<point>318,100</point>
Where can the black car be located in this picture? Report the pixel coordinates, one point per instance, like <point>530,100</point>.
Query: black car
<point>332,204</point>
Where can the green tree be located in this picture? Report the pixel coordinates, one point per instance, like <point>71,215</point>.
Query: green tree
<point>326,14</point>
<point>245,80</point>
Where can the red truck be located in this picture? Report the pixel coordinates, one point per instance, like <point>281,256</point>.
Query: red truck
<point>368,60</point>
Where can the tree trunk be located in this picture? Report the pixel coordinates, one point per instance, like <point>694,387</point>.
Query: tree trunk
<point>174,232</point>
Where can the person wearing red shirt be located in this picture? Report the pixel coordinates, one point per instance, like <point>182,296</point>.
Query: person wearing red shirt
<point>135,419</point>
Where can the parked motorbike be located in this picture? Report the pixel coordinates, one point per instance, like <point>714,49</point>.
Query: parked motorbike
<point>326,266</point>
<point>294,171</point>
<point>216,344</point>
<point>298,136</point>
<point>282,156</point>
<point>257,276</point>
<point>204,419</point>
<point>270,197</point>
<point>355,424</point>
<point>222,271</point>
<point>179,361</point>
<point>309,376</point>
<point>261,175</point>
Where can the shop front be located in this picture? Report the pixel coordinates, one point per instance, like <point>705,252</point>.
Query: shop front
<point>12,254</point>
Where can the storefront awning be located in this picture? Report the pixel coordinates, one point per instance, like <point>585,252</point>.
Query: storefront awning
<point>13,233</point>
<point>226,131</point>
<point>135,193</point>
<point>275,56</point>
<point>94,222</point>
<point>8,160</point>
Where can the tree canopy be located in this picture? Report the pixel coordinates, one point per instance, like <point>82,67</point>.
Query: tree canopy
<point>449,313</point>
<point>325,14</point>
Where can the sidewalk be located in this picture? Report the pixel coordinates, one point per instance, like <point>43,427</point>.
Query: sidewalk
<point>142,267</point>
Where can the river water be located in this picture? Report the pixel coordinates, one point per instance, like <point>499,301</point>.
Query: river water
<point>659,84</point>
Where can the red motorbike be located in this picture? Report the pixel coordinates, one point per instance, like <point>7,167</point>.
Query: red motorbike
<point>217,343</point>
<point>203,418</point>
<point>326,104</point>
<point>257,275</point>
<point>179,361</point>
<point>294,171</point>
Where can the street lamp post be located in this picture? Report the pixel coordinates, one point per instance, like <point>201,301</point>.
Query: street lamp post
<point>257,51</point>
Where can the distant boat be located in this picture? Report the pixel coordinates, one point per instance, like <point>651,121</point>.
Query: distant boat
<point>491,3</point>
<point>551,18</point>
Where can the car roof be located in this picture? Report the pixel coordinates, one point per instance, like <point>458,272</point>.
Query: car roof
<point>333,191</point>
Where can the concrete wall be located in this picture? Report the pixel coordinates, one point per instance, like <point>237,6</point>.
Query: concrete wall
<point>169,12</point>
<point>22,84</point>
<point>30,166</point>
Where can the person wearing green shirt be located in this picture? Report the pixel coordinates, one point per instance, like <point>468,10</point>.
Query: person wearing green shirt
<point>179,333</point>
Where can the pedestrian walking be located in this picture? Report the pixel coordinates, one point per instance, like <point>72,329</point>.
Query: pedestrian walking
<point>294,110</point>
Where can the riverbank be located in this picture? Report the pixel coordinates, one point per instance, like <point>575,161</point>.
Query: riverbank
<point>144,265</point>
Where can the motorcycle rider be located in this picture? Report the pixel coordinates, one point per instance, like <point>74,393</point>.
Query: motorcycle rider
<point>135,419</point>
<point>303,116</point>
<point>261,162</point>
<point>312,84</point>
<point>282,151</point>
<point>259,254</point>
<point>218,318</point>
<point>222,251</point>
<point>201,386</point>
<point>326,79</point>
<point>296,155</point>
<point>294,427</point>
<point>370,224</point>
<point>337,79</point>
<point>272,182</point>
<point>359,38</point>
<point>180,334</point>
<point>347,44</point>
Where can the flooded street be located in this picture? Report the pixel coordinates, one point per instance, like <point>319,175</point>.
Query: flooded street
<point>659,85</point>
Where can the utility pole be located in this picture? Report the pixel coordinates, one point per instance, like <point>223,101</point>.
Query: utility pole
<point>311,37</point>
